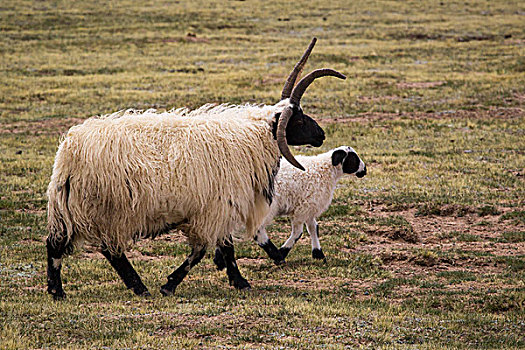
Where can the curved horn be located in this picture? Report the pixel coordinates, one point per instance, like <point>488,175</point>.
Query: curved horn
<point>302,85</point>
<point>290,81</point>
<point>281,138</point>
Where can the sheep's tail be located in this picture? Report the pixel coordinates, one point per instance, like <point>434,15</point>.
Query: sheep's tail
<point>59,221</point>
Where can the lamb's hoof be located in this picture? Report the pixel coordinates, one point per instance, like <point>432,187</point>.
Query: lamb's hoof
<point>284,252</point>
<point>318,254</point>
<point>166,291</point>
<point>279,262</point>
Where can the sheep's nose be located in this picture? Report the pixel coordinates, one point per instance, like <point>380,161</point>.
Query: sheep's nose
<point>318,139</point>
<point>361,173</point>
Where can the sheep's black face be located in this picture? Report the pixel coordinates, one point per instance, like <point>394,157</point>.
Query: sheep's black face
<point>301,129</point>
<point>352,164</point>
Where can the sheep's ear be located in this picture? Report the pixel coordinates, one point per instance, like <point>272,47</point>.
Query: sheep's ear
<point>338,157</point>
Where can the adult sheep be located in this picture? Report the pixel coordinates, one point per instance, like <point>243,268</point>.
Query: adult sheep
<point>131,174</point>
<point>304,196</point>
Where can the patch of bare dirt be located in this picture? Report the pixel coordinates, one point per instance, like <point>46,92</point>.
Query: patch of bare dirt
<point>394,233</point>
<point>453,236</point>
<point>52,126</point>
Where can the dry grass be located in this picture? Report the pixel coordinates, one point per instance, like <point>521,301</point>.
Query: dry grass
<point>426,252</point>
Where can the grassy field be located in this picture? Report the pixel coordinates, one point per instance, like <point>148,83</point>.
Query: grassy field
<point>426,252</point>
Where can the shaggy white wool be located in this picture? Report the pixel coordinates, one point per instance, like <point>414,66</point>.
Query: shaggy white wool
<point>131,173</point>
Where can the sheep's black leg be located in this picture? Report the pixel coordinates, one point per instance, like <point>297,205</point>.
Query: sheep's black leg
<point>197,253</point>
<point>313,230</point>
<point>267,245</point>
<point>126,272</point>
<point>56,248</point>
<point>263,241</point>
<point>219,260</point>
<point>234,275</point>
<point>297,232</point>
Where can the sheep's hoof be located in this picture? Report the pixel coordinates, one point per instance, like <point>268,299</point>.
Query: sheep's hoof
<point>164,290</point>
<point>145,294</point>
<point>318,254</point>
<point>57,293</point>
<point>141,290</point>
<point>241,284</point>
<point>59,296</point>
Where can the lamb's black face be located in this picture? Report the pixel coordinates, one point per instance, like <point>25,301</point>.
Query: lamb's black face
<point>352,164</point>
<point>301,129</point>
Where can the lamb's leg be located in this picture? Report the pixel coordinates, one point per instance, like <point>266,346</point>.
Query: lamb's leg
<point>264,242</point>
<point>297,232</point>
<point>313,230</point>
<point>56,248</point>
<point>127,273</point>
<point>234,275</point>
<point>196,255</point>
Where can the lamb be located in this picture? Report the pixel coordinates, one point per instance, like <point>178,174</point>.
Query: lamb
<point>133,174</point>
<point>304,196</point>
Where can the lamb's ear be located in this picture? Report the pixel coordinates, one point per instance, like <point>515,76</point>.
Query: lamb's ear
<point>338,157</point>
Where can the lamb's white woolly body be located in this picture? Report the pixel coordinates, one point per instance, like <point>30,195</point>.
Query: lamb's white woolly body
<point>305,194</point>
<point>128,175</point>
